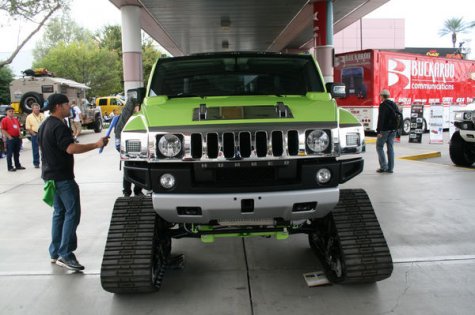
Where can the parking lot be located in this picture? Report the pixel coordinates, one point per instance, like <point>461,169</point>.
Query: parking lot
<point>425,209</point>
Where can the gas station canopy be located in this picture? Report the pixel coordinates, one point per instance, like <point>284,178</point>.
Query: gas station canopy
<point>193,26</point>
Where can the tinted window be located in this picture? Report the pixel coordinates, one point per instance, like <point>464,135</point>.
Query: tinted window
<point>236,75</point>
<point>102,101</point>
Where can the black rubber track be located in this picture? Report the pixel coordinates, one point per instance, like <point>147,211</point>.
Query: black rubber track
<point>128,262</point>
<point>363,249</point>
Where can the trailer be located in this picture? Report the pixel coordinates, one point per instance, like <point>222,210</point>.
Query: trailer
<point>37,85</point>
<point>410,78</point>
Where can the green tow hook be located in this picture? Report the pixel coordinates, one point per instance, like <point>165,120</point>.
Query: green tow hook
<point>210,238</point>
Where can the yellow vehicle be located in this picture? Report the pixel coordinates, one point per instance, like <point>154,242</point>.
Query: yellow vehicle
<point>109,103</point>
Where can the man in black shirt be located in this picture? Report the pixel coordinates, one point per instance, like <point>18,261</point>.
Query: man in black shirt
<point>386,130</point>
<point>57,149</point>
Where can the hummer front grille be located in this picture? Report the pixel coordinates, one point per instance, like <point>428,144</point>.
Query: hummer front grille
<point>244,144</point>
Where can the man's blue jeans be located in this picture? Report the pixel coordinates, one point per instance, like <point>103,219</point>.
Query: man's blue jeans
<point>36,151</point>
<point>66,217</point>
<point>387,137</point>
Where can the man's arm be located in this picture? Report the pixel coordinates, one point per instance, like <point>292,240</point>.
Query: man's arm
<point>29,126</point>
<point>127,111</point>
<point>6,134</point>
<point>76,148</point>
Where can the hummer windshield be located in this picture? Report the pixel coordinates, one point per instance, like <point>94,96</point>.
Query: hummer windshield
<point>235,74</point>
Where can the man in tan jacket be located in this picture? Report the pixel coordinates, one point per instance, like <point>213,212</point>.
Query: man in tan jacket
<point>33,122</point>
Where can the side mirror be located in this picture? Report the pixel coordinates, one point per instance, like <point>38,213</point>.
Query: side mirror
<point>337,90</point>
<point>137,95</point>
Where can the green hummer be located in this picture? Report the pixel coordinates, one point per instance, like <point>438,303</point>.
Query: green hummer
<point>241,144</point>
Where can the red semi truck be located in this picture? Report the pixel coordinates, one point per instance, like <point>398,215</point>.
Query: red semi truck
<point>410,78</point>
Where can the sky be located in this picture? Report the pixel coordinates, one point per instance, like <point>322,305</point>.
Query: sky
<point>423,19</point>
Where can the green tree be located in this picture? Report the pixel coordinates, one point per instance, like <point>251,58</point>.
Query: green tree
<point>110,37</point>
<point>36,11</point>
<point>60,29</point>
<point>6,76</point>
<point>149,57</point>
<point>87,63</point>
<point>454,26</point>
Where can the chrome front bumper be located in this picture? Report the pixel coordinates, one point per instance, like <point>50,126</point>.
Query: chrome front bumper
<point>269,205</point>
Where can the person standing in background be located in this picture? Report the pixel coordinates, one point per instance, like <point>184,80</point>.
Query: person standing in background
<point>386,129</point>
<point>129,108</point>
<point>76,121</point>
<point>11,131</point>
<point>32,124</point>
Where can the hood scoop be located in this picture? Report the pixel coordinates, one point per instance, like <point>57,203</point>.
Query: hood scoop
<point>279,110</point>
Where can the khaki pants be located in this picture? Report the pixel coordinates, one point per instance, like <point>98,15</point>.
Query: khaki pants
<point>76,127</point>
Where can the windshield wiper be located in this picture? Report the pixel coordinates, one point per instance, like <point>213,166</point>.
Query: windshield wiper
<point>184,95</point>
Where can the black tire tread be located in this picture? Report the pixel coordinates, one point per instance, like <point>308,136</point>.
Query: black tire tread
<point>128,255</point>
<point>457,150</point>
<point>364,249</point>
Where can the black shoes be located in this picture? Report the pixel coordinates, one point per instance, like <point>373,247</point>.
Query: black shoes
<point>380,170</point>
<point>71,264</point>
<point>128,194</point>
<point>37,166</point>
<point>15,169</point>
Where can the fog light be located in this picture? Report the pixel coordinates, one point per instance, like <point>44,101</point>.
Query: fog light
<point>323,176</point>
<point>167,181</point>
<point>352,139</point>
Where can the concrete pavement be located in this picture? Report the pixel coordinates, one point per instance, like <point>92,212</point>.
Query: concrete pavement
<point>425,209</point>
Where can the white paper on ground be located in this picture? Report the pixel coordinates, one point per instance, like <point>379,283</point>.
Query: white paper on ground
<point>316,278</point>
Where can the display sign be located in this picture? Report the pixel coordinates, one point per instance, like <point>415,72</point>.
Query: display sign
<point>417,123</point>
<point>436,131</point>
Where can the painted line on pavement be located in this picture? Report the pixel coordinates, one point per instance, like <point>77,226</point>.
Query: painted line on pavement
<point>370,139</point>
<point>421,156</point>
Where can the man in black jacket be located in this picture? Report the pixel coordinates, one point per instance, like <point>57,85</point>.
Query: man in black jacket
<point>57,156</point>
<point>387,128</point>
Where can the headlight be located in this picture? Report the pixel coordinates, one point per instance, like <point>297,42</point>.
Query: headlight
<point>169,145</point>
<point>318,141</point>
<point>467,115</point>
<point>458,116</point>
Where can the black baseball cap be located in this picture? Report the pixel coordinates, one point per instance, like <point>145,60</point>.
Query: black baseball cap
<point>55,99</point>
